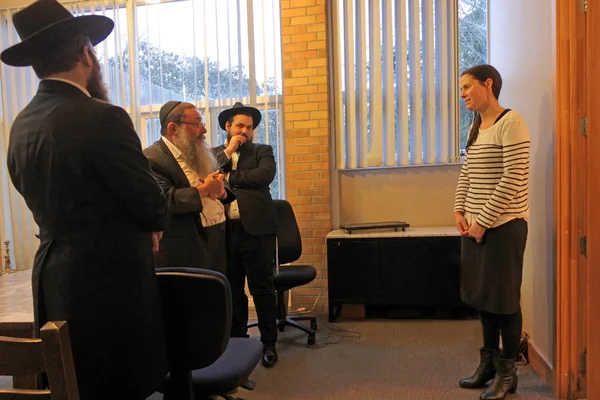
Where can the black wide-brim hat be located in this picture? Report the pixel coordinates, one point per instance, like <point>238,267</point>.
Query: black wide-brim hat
<point>239,108</point>
<point>45,22</point>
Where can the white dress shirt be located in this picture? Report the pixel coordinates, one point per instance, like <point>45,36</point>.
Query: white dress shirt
<point>213,211</point>
<point>233,210</point>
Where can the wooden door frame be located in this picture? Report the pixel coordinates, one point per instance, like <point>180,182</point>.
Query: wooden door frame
<point>571,106</point>
<point>593,198</point>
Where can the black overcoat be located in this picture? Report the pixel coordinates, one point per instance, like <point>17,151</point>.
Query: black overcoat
<point>79,165</point>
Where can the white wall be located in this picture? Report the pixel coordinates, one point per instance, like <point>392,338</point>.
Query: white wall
<point>421,196</point>
<point>522,48</point>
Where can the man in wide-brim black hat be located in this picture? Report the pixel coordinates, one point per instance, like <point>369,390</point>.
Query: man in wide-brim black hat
<point>249,170</point>
<point>79,165</point>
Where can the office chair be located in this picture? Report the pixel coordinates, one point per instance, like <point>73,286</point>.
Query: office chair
<point>288,250</point>
<point>203,359</point>
<point>51,354</point>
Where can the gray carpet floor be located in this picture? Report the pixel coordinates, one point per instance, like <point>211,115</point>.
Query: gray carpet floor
<point>379,359</point>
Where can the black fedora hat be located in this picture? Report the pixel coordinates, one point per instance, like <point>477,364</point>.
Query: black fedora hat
<point>47,21</point>
<point>239,108</point>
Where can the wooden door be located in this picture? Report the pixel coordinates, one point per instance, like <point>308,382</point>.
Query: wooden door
<point>571,201</point>
<point>593,200</point>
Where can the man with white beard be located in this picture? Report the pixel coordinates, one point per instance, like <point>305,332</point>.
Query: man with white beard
<point>185,168</point>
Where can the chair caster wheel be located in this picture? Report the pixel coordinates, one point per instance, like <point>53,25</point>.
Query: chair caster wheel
<point>313,325</point>
<point>311,340</point>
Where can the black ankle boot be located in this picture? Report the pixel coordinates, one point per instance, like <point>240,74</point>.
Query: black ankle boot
<point>485,372</point>
<point>504,382</point>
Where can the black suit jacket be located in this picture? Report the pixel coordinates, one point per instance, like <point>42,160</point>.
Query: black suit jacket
<point>250,182</point>
<point>79,165</point>
<point>184,241</point>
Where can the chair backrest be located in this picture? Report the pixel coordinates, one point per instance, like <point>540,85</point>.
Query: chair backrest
<point>289,242</point>
<point>51,354</point>
<point>196,305</point>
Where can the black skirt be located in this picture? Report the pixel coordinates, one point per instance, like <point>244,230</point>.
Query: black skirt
<point>492,271</point>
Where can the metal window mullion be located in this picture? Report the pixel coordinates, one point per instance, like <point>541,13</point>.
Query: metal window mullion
<point>240,61</point>
<point>149,59</point>
<point>429,134</point>
<point>453,119</point>
<point>265,90</point>
<point>251,50</point>
<point>351,126</point>
<point>388,132</point>
<point>361,84</point>
<point>4,187</point>
<point>195,58</point>
<point>443,40</point>
<point>416,110</point>
<point>218,57</point>
<point>106,69</point>
<point>6,228</point>
<point>160,65</point>
<point>229,52</point>
<point>134,79</point>
<point>401,90</point>
<point>276,33</point>
<point>143,129</point>
<point>207,115</point>
<point>121,75</point>
<point>16,206</point>
<point>375,153</point>
<point>338,98</point>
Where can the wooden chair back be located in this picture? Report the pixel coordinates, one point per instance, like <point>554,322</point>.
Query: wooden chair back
<point>51,355</point>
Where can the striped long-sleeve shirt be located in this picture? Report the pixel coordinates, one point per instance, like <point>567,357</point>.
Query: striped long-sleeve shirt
<point>494,179</point>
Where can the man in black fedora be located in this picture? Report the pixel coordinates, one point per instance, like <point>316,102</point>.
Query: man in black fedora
<point>78,163</point>
<point>249,170</point>
<point>186,170</point>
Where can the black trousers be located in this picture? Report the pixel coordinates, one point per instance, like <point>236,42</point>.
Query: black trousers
<point>508,326</point>
<point>216,243</point>
<point>252,256</point>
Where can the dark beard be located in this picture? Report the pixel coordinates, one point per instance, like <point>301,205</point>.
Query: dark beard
<point>95,85</point>
<point>195,152</point>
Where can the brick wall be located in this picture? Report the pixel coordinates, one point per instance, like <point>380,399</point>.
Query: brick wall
<point>307,139</point>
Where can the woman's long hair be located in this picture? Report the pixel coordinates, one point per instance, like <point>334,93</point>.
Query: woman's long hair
<point>482,73</point>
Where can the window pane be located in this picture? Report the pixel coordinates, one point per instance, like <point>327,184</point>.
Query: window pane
<point>207,60</point>
<point>152,130</point>
<point>472,49</point>
<point>260,135</point>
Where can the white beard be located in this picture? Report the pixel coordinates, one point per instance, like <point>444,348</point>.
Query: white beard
<point>195,152</point>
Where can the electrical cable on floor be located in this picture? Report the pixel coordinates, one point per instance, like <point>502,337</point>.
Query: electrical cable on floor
<point>302,310</point>
<point>334,335</point>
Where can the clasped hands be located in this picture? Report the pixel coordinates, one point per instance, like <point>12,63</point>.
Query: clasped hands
<point>474,231</point>
<point>212,186</point>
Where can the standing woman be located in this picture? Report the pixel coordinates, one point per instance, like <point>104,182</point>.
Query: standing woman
<point>491,212</point>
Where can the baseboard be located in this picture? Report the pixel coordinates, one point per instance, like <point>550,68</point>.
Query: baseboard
<point>540,365</point>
